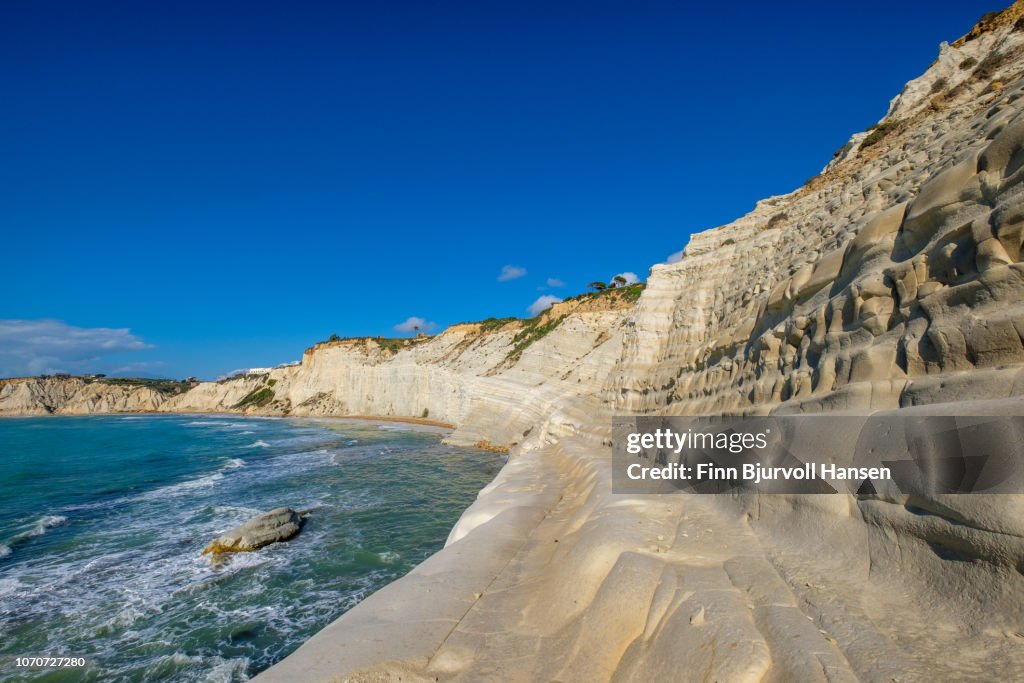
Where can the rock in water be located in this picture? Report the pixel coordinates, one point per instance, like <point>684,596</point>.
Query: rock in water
<point>277,525</point>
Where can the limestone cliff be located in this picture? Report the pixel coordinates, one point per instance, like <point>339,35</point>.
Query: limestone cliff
<point>497,381</point>
<point>891,282</point>
<point>74,396</point>
<point>894,279</point>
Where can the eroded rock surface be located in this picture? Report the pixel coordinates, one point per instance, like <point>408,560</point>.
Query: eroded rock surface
<point>280,524</point>
<point>893,282</point>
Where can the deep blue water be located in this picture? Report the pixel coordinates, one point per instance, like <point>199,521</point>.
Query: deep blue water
<point>102,520</point>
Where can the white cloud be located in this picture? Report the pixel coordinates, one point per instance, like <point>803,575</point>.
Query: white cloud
<point>555,282</point>
<point>542,304</point>
<point>46,346</point>
<point>675,257</point>
<point>628,276</point>
<point>511,273</point>
<point>415,324</point>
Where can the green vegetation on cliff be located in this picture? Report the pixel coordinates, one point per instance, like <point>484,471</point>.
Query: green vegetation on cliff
<point>879,131</point>
<point>257,398</point>
<point>171,387</point>
<point>493,324</point>
<point>629,293</point>
<point>533,329</point>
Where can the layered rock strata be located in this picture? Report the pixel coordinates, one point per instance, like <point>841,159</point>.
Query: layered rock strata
<point>890,283</point>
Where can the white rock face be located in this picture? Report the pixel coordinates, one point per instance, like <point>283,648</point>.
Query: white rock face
<point>894,282</point>
<point>74,396</point>
<point>464,376</point>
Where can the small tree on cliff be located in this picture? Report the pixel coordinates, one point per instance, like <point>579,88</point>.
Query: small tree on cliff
<point>619,281</point>
<point>598,286</point>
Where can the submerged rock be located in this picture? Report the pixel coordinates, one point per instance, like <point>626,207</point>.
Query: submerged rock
<point>277,525</point>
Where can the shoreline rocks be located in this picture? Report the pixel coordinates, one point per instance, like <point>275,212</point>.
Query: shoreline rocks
<point>280,524</point>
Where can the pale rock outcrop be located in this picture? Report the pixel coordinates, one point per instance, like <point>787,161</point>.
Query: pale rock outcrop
<point>73,396</point>
<point>280,524</point>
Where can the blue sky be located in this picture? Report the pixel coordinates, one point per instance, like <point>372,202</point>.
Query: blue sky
<point>188,189</point>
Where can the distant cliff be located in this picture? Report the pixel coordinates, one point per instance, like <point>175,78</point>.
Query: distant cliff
<point>494,379</point>
<point>56,395</point>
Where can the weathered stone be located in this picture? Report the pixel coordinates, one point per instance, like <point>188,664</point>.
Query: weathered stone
<point>277,525</point>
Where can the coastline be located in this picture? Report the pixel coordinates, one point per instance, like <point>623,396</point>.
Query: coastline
<point>391,418</point>
<point>397,632</point>
<point>363,418</point>
<point>548,575</point>
<point>217,472</point>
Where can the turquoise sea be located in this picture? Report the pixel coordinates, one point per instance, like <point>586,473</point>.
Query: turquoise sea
<point>102,520</point>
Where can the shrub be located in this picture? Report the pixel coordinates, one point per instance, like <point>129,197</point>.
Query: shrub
<point>532,330</point>
<point>170,387</point>
<point>257,397</point>
<point>392,345</point>
<point>492,324</point>
<point>968,63</point>
<point>879,131</point>
<point>938,86</point>
<point>632,293</point>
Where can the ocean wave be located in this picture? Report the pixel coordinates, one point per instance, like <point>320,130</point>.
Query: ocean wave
<point>124,583</point>
<point>9,587</point>
<point>42,525</point>
<point>183,487</point>
<point>389,557</point>
<point>259,444</point>
<point>247,512</point>
<point>223,424</point>
<point>38,528</point>
<point>181,666</point>
<point>306,440</point>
